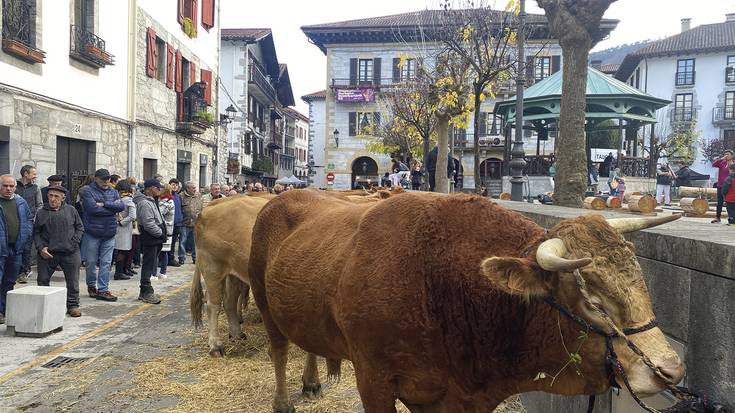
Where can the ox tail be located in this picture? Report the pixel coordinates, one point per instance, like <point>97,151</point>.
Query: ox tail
<point>334,370</point>
<point>196,298</point>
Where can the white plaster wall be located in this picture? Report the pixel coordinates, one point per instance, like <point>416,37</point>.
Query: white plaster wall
<point>204,45</point>
<point>658,79</point>
<point>102,90</point>
<point>317,132</point>
<point>302,143</point>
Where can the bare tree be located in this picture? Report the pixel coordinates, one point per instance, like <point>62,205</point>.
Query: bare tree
<point>576,23</point>
<point>484,39</point>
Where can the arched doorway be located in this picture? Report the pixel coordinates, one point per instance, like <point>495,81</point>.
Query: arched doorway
<point>364,172</point>
<point>491,175</point>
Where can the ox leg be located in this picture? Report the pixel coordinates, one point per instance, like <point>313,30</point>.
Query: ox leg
<point>375,391</point>
<point>214,302</point>
<point>279,356</point>
<point>310,379</point>
<point>232,297</point>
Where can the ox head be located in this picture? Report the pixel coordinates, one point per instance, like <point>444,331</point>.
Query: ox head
<point>614,281</point>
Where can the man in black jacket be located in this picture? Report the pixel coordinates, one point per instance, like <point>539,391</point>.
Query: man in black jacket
<point>431,167</point>
<point>26,187</point>
<point>57,232</point>
<point>152,236</point>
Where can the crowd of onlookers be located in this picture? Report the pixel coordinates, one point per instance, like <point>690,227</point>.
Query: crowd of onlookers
<point>114,225</point>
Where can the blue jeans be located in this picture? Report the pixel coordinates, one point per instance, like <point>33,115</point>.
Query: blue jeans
<point>186,242</point>
<point>98,251</point>
<point>9,269</point>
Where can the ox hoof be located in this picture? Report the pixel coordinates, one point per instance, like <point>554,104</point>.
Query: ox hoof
<point>284,408</point>
<point>217,352</point>
<point>312,390</point>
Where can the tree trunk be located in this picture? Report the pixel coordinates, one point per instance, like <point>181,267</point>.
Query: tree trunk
<point>442,182</point>
<point>476,140</point>
<point>570,180</point>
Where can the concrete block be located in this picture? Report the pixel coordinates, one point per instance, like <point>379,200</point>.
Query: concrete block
<point>36,311</point>
<point>668,286</point>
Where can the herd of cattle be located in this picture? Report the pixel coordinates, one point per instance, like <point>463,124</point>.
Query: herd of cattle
<point>439,301</point>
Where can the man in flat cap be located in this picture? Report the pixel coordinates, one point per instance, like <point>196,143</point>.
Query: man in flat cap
<point>53,180</point>
<point>57,232</point>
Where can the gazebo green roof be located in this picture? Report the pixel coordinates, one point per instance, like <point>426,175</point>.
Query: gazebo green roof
<point>607,98</point>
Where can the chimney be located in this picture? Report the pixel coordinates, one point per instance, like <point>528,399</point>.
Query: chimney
<point>686,24</point>
<point>597,64</point>
<point>730,17</point>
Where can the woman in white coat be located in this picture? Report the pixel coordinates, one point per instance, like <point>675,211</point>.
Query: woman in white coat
<point>124,234</point>
<point>167,208</point>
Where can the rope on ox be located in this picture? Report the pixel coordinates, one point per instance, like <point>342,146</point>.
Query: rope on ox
<point>689,401</point>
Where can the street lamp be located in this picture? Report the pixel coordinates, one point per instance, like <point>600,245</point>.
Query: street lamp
<point>336,138</point>
<point>517,163</point>
<point>227,117</point>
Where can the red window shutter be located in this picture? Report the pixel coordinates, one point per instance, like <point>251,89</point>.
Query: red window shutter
<point>180,17</point>
<point>179,73</point>
<point>169,66</point>
<point>194,13</point>
<point>179,107</point>
<point>208,14</point>
<point>192,74</point>
<point>207,78</point>
<point>150,64</point>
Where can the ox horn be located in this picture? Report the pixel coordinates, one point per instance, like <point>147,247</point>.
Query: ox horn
<point>550,256</point>
<point>636,224</point>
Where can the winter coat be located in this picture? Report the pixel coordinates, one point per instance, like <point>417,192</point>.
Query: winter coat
<point>191,207</point>
<point>728,189</point>
<point>150,221</point>
<point>178,213</point>
<point>60,231</point>
<point>25,229</point>
<point>167,207</point>
<point>100,221</point>
<point>126,220</point>
<point>32,195</point>
<point>431,162</point>
<point>722,171</point>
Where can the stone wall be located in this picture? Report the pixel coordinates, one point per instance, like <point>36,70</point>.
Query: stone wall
<point>154,143</point>
<point>689,268</point>
<point>36,124</point>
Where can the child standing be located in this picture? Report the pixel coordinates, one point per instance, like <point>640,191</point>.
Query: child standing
<point>728,192</point>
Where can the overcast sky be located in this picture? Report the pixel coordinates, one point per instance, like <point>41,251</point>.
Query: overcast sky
<point>639,20</point>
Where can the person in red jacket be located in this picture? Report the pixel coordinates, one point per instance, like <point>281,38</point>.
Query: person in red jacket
<point>728,192</point>
<point>722,164</point>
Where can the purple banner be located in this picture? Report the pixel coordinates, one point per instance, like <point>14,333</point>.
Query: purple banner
<point>360,94</point>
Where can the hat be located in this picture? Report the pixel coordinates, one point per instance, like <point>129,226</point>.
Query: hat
<point>152,183</point>
<point>56,188</point>
<point>102,173</point>
<point>55,178</point>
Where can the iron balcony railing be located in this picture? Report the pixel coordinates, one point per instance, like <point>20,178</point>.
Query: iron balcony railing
<point>538,165</point>
<point>89,47</point>
<point>18,22</point>
<point>721,114</point>
<point>263,82</point>
<point>636,167</point>
<point>685,78</point>
<point>683,115</point>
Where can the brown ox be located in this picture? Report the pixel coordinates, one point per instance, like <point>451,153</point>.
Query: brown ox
<point>222,236</point>
<point>451,317</point>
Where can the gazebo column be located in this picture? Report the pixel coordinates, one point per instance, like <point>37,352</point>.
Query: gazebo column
<point>631,137</point>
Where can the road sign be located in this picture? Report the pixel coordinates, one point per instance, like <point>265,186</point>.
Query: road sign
<point>330,176</point>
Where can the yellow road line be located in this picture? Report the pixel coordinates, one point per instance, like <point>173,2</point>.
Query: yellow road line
<point>79,340</point>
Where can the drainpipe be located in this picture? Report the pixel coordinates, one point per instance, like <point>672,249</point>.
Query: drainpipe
<point>132,55</point>
<point>216,153</point>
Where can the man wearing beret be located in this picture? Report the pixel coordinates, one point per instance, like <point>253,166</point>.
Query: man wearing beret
<point>152,229</point>
<point>57,233</point>
<point>100,205</point>
<point>53,180</point>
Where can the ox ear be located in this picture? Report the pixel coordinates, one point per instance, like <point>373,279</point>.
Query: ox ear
<point>517,276</point>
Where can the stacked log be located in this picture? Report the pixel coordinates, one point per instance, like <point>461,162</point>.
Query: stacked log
<point>505,196</point>
<point>593,202</point>
<point>642,203</point>
<point>613,202</point>
<point>694,206</point>
<point>696,192</point>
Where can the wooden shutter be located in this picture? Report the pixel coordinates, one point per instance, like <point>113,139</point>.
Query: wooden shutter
<point>482,124</point>
<point>207,14</point>
<point>180,16</point>
<point>179,107</point>
<point>376,119</point>
<point>206,76</point>
<point>179,73</point>
<point>396,69</point>
<point>555,63</point>
<point>192,73</point>
<point>530,69</point>
<point>169,66</point>
<point>376,71</point>
<point>150,66</point>
<point>353,124</point>
<point>194,13</point>
<point>353,72</point>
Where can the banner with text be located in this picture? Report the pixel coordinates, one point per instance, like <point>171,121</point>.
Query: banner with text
<point>360,94</point>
